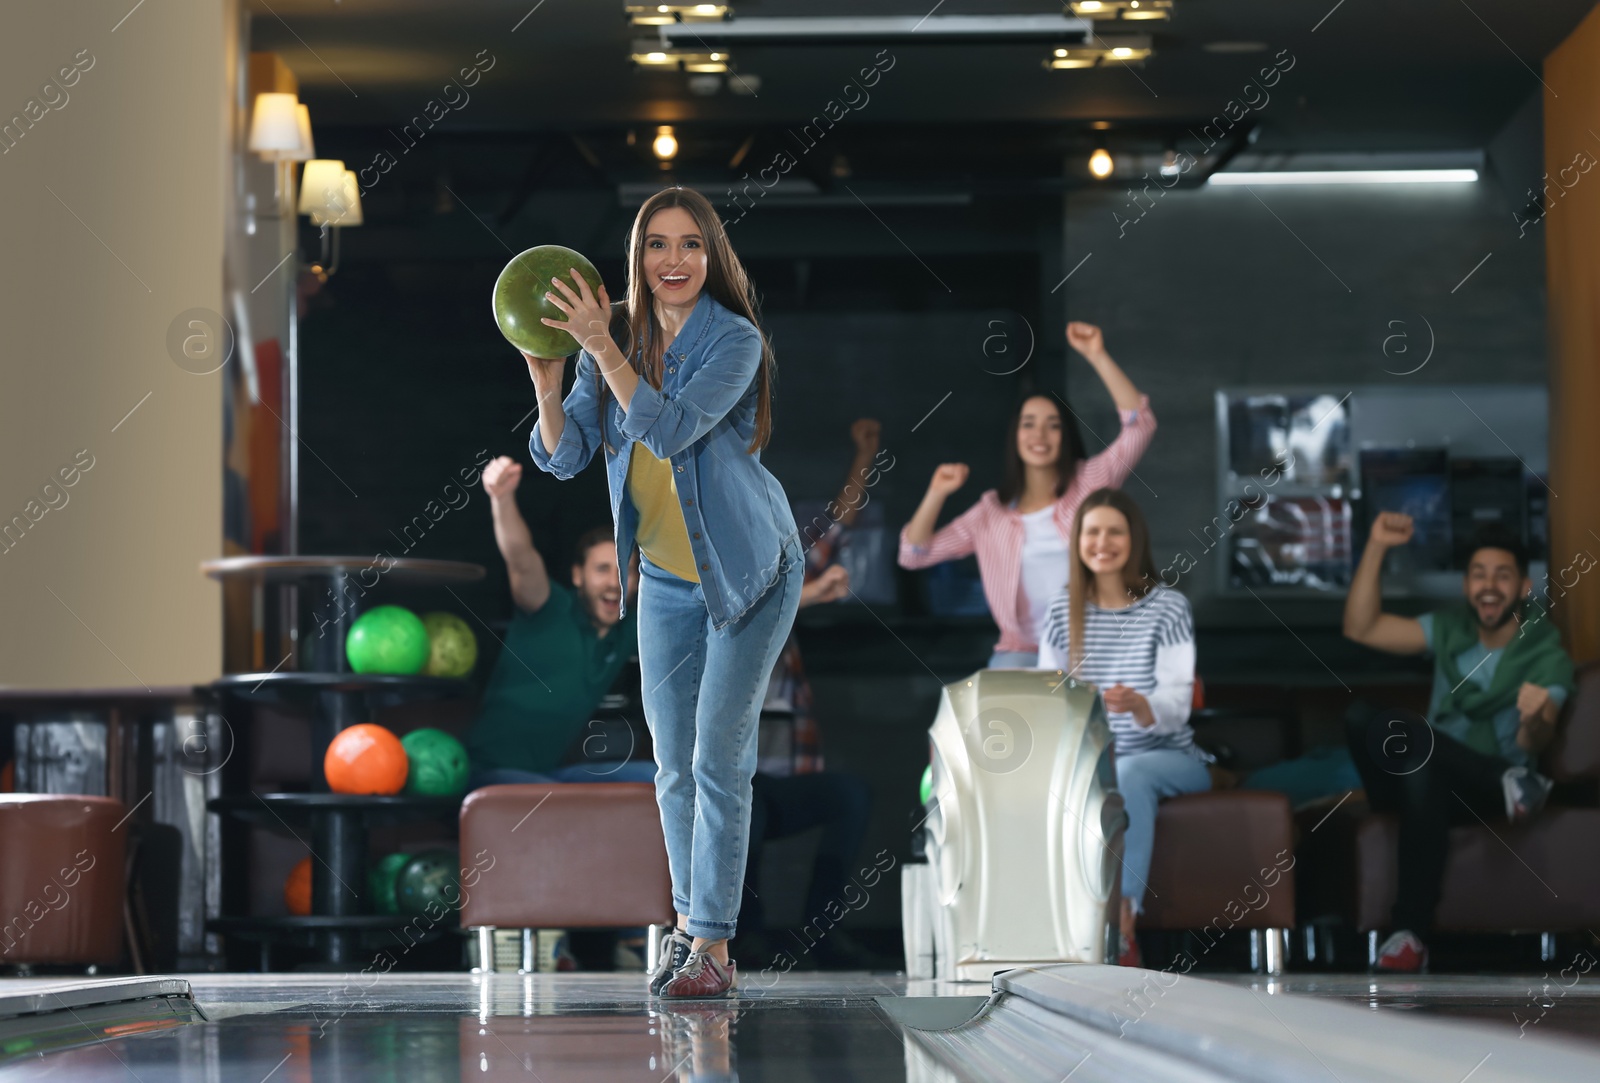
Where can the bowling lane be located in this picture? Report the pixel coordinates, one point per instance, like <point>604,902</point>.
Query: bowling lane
<point>1557,1003</point>
<point>545,1028</point>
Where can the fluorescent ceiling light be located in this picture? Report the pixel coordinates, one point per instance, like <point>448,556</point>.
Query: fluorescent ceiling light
<point>878,29</point>
<point>1351,176</point>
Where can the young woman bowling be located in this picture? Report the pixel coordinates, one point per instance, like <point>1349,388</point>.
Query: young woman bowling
<point>1020,531</point>
<point>681,416</point>
<point>1117,626</point>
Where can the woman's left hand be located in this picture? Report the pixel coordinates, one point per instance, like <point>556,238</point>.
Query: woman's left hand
<point>1086,339</point>
<point>1124,700</point>
<point>588,317</point>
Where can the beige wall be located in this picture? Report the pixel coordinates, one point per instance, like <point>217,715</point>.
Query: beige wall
<point>112,215</point>
<point>1572,224</point>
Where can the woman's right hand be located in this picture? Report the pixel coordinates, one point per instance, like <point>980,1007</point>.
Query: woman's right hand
<point>947,479</point>
<point>544,370</point>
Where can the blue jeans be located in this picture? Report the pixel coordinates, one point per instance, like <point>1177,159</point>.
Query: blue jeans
<point>703,690</point>
<point>1013,660</point>
<point>1144,779</point>
<point>614,771</point>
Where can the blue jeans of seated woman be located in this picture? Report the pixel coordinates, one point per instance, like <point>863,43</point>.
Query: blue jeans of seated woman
<point>1144,778</point>
<point>1013,659</point>
<point>703,690</point>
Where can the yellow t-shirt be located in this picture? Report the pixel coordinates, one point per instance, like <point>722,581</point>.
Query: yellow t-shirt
<point>662,534</point>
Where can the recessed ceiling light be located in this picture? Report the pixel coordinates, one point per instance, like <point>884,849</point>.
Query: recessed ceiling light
<point>1234,46</point>
<point>1101,125</point>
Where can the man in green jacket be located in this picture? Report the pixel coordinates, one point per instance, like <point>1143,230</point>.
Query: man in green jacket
<point>561,654</point>
<point>1500,678</point>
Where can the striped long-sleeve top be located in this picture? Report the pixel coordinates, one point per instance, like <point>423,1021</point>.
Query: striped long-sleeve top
<point>1147,646</point>
<point>995,532</point>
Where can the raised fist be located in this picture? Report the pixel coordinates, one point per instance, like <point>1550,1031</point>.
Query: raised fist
<point>500,477</point>
<point>1391,528</point>
<point>1085,338</point>
<point>948,478</point>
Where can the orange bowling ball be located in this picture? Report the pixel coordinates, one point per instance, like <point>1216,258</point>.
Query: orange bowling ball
<point>297,889</point>
<point>365,758</point>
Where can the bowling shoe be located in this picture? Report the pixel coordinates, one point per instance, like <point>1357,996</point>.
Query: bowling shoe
<point>701,977</point>
<point>675,951</point>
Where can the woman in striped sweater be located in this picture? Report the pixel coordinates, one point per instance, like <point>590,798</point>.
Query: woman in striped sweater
<point>1117,626</point>
<point>1020,531</point>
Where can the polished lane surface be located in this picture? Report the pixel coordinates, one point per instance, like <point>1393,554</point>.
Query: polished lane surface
<point>1089,1024</point>
<point>1562,1001</point>
<point>544,1028</point>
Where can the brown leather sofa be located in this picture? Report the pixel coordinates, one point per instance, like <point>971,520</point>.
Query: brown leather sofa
<point>1540,877</point>
<point>1225,859</point>
<point>62,879</point>
<point>563,855</point>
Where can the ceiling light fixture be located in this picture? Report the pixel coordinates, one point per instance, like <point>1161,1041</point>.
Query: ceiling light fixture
<point>1350,176</point>
<point>654,56</point>
<point>1124,49</point>
<point>1100,163</point>
<point>665,144</point>
<point>1133,10</point>
<point>670,14</point>
<point>876,29</point>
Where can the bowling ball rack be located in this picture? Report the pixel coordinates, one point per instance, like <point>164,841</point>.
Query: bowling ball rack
<point>333,698</point>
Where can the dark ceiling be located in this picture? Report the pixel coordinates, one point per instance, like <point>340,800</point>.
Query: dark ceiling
<point>1371,75</point>
<point>562,108</point>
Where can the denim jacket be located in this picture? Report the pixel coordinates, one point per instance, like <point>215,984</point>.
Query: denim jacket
<point>701,421</point>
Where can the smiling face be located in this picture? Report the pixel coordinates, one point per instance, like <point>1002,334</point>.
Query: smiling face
<point>674,257</point>
<point>1039,433</point>
<point>1493,586</point>
<point>596,582</point>
<point>1105,541</point>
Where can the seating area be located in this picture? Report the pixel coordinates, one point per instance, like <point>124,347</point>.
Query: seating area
<point>1534,878</point>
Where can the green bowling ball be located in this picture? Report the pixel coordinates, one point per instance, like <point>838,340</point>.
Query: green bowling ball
<point>388,639</point>
<point>380,883</point>
<point>438,763</point>
<point>454,649</point>
<point>519,301</point>
<point>429,878</point>
<point>927,784</point>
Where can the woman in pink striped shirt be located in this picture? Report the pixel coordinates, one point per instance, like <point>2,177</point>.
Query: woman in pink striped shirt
<point>1021,531</point>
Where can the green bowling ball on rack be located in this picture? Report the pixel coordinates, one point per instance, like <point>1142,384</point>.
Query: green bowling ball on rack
<point>380,883</point>
<point>429,881</point>
<point>388,639</point>
<point>453,648</point>
<point>519,299</point>
<point>438,763</point>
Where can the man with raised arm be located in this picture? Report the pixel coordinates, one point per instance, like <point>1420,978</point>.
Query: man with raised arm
<point>1500,678</point>
<point>562,654</point>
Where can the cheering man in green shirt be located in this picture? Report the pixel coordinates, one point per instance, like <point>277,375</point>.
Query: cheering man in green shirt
<point>562,653</point>
<point>1499,680</point>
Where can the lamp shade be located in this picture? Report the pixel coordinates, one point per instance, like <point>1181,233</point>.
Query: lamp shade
<point>304,149</point>
<point>351,201</point>
<point>322,190</point>
<point>274,126</point>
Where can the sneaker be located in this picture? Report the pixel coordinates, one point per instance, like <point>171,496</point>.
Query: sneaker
<point>675,951</point>
<point>702,977</point>
<point>1526,792</point>
<point>1129,953</point>
<point>1403,953</point>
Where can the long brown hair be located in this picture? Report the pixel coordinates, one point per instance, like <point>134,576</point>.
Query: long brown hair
<point>1138,574</point>
<point>726,282</point>
<point>1071,453</point>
